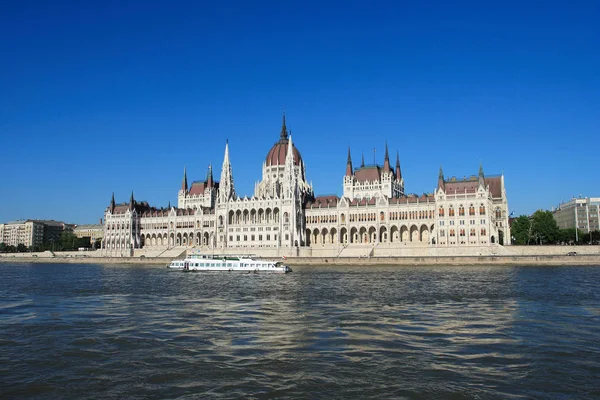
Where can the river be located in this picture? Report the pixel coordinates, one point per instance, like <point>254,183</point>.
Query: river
<point>108,331</point>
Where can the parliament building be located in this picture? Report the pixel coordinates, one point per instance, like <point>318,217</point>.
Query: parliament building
<point>374,212</point>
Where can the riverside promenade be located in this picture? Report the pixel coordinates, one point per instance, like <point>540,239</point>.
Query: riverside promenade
<point>521,255</point>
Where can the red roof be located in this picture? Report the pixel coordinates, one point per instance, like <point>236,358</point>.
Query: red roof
<point>324,201</point>
<point>471,186</point>
<point>278,152</point>
<point>370,174</point>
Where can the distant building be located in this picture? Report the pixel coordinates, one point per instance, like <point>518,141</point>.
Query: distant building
<point>32,233</point>
<point>581,212</point>
<point>94,232</point>
<point>283,212</point>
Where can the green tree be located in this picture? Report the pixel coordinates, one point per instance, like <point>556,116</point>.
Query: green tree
<point>21,248</point>
<point>68,241</point>
<point>567,235</point>
<point>520,229</point>
<point>2,247</point>
<point>544,228</point>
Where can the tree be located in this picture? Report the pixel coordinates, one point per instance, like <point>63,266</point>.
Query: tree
<point>520,229</point>
<point>2,247</point>
<point>544,227</point>
<point>567,235</point>
<point>21,248</point>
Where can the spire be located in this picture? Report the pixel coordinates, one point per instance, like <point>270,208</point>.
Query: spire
<point>398,171</point>
<point>112,203</point>
<point>481,177</point>
<point>289,182</point>
<point>131,201</point>
<point>209,176</point>
<point>283,135</point>
<point>349,164</point>
<point>184,184</point>
<point>386,160</point>
<point>362,161</point>
<point>226,189</point>
<point>169,206</point>
<point>441,184</point>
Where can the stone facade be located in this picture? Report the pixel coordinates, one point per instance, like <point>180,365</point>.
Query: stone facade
<point>94,232</point>
<point>32,233</point>
<point>284,213</point>
<point>581,212</point>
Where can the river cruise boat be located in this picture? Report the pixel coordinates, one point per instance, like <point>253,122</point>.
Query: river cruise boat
<point>228,263</point>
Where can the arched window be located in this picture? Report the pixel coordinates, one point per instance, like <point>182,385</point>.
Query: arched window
<point>471,210</point>
<point>451,211</point>
<point>452,233</point>
<point>481,209</point>
<point>461,211</point>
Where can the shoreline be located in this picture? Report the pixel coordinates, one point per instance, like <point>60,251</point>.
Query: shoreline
<point>539,260</point>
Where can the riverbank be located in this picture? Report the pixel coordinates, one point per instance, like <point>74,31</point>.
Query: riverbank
<point>542,260</point>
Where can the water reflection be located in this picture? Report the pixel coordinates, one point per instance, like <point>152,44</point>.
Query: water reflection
<point>114,331</point>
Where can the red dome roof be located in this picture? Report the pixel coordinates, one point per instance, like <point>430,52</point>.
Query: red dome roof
<point>278,153</point>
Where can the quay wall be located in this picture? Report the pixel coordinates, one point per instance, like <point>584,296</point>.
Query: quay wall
<point>515,260</point>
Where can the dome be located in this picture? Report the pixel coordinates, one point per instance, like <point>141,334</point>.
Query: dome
<point>278,153</point>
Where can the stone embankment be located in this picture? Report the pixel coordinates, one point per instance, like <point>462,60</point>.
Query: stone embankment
<point>589,257</point>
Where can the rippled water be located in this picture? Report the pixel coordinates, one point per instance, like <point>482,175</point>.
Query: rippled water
<point>99,331</point>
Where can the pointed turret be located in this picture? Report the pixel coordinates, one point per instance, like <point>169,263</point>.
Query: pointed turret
<point>398,171</point>
<point>386,160</point>
<point>226,188</point>
<point>362,161</point>
<point>184,183</point>
<point>441,184</point>
<point>481,178</point>
<point>349,164</point>
<point>209,176</point>
<point>283,135</point>
<point>131,201</point>
<point>112,203</point>
<point>169,206</point>
<point>290,182</point>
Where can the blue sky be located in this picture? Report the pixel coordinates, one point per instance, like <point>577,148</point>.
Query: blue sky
<point>115,96</point>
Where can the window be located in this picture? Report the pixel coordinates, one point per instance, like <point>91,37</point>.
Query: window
<point>441,223</point>
<point>452,233</point>
<point>441,212</point>
<point>462,232</point>
<point>472,232</point>
<point>461,211</point>
<point>483,233</point>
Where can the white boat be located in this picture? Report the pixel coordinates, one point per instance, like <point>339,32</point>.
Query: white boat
<point>228,263</point>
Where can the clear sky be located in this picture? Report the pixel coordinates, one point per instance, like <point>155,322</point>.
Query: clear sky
<point>115,96</point>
